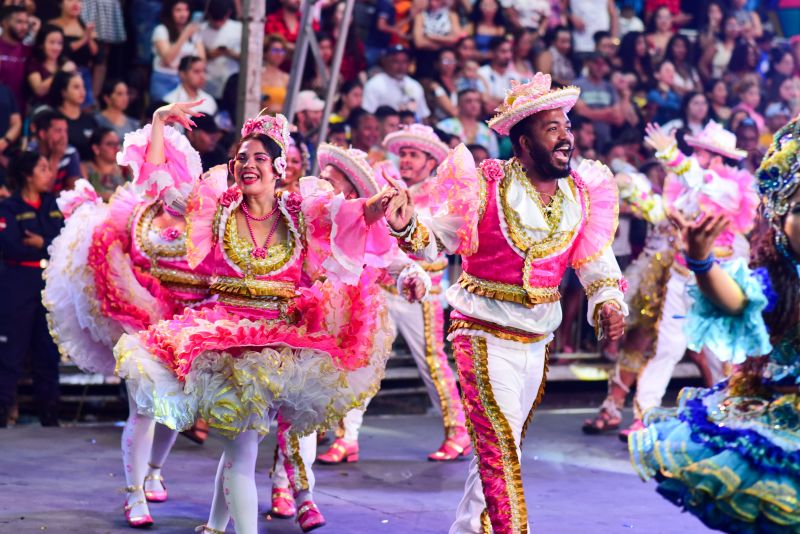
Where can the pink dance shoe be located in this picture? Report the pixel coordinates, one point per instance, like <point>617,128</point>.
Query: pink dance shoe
<point>340,451</point>
<point>453,448</point>
<point>156,495</point>
<point>137,521</point>
<point>624,434</point>
<point>283,506</point>
<point>309,517</point>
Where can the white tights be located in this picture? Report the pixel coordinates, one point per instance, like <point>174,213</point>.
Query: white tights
<point>235,493</point>
<point>143,442</point>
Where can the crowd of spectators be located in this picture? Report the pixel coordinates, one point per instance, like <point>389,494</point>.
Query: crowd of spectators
<point>77,75</point>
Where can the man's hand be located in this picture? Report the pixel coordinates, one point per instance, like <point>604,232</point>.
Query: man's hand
<point>413,289</point>
<point>612,322</point>
<point>656,139</point>
<point>399,211</point>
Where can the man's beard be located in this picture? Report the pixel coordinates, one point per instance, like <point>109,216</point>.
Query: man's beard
<point>542,163</point>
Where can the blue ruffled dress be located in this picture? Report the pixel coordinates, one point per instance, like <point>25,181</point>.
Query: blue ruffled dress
<point>730,454</point>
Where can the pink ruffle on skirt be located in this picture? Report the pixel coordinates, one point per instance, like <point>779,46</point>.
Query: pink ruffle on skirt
<point>236,371</point>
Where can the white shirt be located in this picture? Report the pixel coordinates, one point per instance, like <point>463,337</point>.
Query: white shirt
<point>498,83</point>
<point>405,94</point>
<point>531,13</point>
<point>219,69</point>
<point>541,318</point>
<point>179,94</point>
<point>595,17</point>
<point>189,48</point>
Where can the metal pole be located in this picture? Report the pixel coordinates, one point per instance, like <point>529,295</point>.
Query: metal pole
<point>334,77</point>
<point>248,94</point>
<point>299,58</point>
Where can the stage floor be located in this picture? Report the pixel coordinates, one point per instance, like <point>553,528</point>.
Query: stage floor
<point>69,480</point>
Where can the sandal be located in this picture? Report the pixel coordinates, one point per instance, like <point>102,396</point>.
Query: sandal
<point>137,521</point>
<point>458,446</point>
<point>155,495</point>
<point>608,419</point>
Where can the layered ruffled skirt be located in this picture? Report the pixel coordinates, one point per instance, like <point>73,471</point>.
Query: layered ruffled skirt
<point>236,370</point>
<point>732,461</point>
<point>74,314</point>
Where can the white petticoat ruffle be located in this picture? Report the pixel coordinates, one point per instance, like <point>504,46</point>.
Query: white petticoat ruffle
<point>80,331</point>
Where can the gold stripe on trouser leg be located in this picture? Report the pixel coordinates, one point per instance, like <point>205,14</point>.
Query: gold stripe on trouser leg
<point>450,403</point>
<point>298,476</point>
<point>486,523</point>
<point>509,458</point>
<point>539,394</point>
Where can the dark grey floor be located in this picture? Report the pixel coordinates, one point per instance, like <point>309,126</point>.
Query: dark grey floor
<point>68,480</point>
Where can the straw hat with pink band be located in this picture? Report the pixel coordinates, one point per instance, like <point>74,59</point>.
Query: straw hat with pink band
<point>718,140</point>
<point>420,137</point>
<point>525,99</point>
<point>353,163</point>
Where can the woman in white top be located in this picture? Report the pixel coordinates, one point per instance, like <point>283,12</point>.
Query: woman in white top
<point>679,53</point>
<point>176,37</point>
<point>715,58</point>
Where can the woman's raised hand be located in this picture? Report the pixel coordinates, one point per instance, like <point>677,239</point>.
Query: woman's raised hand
<point>178,113</point>
<point>656,139</point>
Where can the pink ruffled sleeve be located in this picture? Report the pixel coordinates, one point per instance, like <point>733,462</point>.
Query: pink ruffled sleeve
<point>340,243</point>
<point>603,211</point>
<point>209,192</point>
<point>83,193</point>
<point>171,181</point>
<point>461,192</point>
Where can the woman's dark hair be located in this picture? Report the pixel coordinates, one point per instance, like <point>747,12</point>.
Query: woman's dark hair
<point>21,167</point>
<point>627,52</point>
<point>783,276</point>
<point>703,22</point>
<point>724,22</point>
<point>651,24</point>
<point>776,54</point>
<point>109,86</point>
<point>61,80</point>
<point>166,18</point>
<point>38,46</point>
<point>475,16</point>
<point>347,86</point>
<point>684,112</point>
<point>670,55</point>
<point>739,58</point>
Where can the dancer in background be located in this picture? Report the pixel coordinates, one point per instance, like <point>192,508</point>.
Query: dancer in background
<point>349,175</point>
<point>728,454</point>
<point>707,181</point>
<point>267,342</point>
<point>118,268</point>
<point>420,323</point>
<point>517,224</point>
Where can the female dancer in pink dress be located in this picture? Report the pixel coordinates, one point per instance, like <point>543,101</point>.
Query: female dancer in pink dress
<point>271,339</point>
<point>117,268</point>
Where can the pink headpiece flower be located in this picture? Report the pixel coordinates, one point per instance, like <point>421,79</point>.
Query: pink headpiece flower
<point>277,129</point>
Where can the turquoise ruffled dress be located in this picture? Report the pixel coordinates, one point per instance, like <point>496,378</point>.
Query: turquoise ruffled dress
<point>732,458</point>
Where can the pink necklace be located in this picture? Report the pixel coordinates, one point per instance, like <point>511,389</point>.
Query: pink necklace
<point>260,252</point>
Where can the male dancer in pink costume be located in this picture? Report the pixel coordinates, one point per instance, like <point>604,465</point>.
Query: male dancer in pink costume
<point>420,323</point>
<point>517,224</point>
